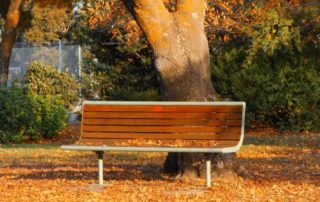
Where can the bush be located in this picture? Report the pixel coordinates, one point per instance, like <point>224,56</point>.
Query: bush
<point>27,116</point>
<point>274,68</point>
<point>124,79</point>
<point>46,80</point>
<point>115,71</point>
<point>282,90</point>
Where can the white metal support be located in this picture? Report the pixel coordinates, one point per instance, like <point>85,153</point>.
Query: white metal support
<point>100,167</point>
<point>208,174</point>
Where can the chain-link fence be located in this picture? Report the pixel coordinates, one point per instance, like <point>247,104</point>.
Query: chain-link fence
<point>66,57</point>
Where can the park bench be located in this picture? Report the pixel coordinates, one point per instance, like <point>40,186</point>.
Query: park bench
<point>205,127</point>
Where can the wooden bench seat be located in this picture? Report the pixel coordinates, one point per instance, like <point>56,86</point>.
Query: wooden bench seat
<point>210,127</point>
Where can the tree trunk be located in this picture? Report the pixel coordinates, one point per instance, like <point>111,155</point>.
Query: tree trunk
<point>9,37</point>
<point>181,56</point>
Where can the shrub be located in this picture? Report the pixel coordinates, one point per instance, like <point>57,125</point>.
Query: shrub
<point>274,68</point>
<point>46,80</point>
<point>115,71</point>
<point>282,90</point>
<point>27,116</point>
<point>123,79</point>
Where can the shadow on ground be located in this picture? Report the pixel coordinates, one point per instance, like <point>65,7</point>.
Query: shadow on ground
<point>117,172</point>
<point>288,164</point>
<point>302,169</point>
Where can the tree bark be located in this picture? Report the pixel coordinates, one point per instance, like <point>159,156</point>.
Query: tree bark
<point>9,37</point>
<point>181,58</point>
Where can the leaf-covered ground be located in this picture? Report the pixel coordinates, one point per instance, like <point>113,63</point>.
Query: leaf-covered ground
<point>278,168</point>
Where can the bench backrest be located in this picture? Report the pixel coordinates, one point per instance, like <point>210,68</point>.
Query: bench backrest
<point>190,121</point>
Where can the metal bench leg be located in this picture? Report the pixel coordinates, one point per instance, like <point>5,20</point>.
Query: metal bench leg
<point>100,167</point>
<point>208,175</point>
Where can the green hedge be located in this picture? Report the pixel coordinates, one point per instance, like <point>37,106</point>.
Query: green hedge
<point>27,116</point>
<point>275,68</point>
<point>282,90</point>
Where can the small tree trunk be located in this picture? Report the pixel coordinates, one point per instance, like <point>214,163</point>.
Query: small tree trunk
<point>181,53</point>
<point>10,34</point>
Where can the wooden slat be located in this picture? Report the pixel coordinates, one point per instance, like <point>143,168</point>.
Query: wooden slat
<point>163,108</point>
<point>161,136</point>
<point>191,124</point>
<point>170,143</point>
<point>229,116</point>
<point>162,122</point>
<point>161,129</point>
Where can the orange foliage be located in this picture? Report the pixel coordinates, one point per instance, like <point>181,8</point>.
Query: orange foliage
<point>56,3</point>
<point>113,14</point>
<point>274,168</point>
<point>226,17</point>
<point>221,15</point>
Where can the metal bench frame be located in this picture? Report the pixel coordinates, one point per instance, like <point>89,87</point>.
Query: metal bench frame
<point>101,149</point>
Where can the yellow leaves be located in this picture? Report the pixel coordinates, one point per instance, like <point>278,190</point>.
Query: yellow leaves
<point>225,38</point>
<point>278,168</point>
<point>60,4</point>
<point>91,11</point>
<point>229,17</point>
<point>254,11</point>
<point>115,33</point>
<point>100,13</point>
<point>176,143</point>
<point>112,15</point>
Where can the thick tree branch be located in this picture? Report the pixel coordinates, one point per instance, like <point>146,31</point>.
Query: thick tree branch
<point>191,6</point>
<point>194,9</point>
<point>153,18</point>
<point>154,6</point>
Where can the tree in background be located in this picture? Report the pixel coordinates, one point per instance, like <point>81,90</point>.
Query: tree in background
<point>12,18</point>
<point>47,21</point>
<point>117,63</point>
<point>50,21</point>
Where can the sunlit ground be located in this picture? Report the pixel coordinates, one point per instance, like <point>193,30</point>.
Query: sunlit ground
<point>277,168</point>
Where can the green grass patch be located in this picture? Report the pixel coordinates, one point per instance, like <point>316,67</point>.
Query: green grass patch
<point>30,146</point>
<point>303,141</point>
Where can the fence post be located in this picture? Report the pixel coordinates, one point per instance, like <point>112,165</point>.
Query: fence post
<point>80,70</point>
<point>60,56</point>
